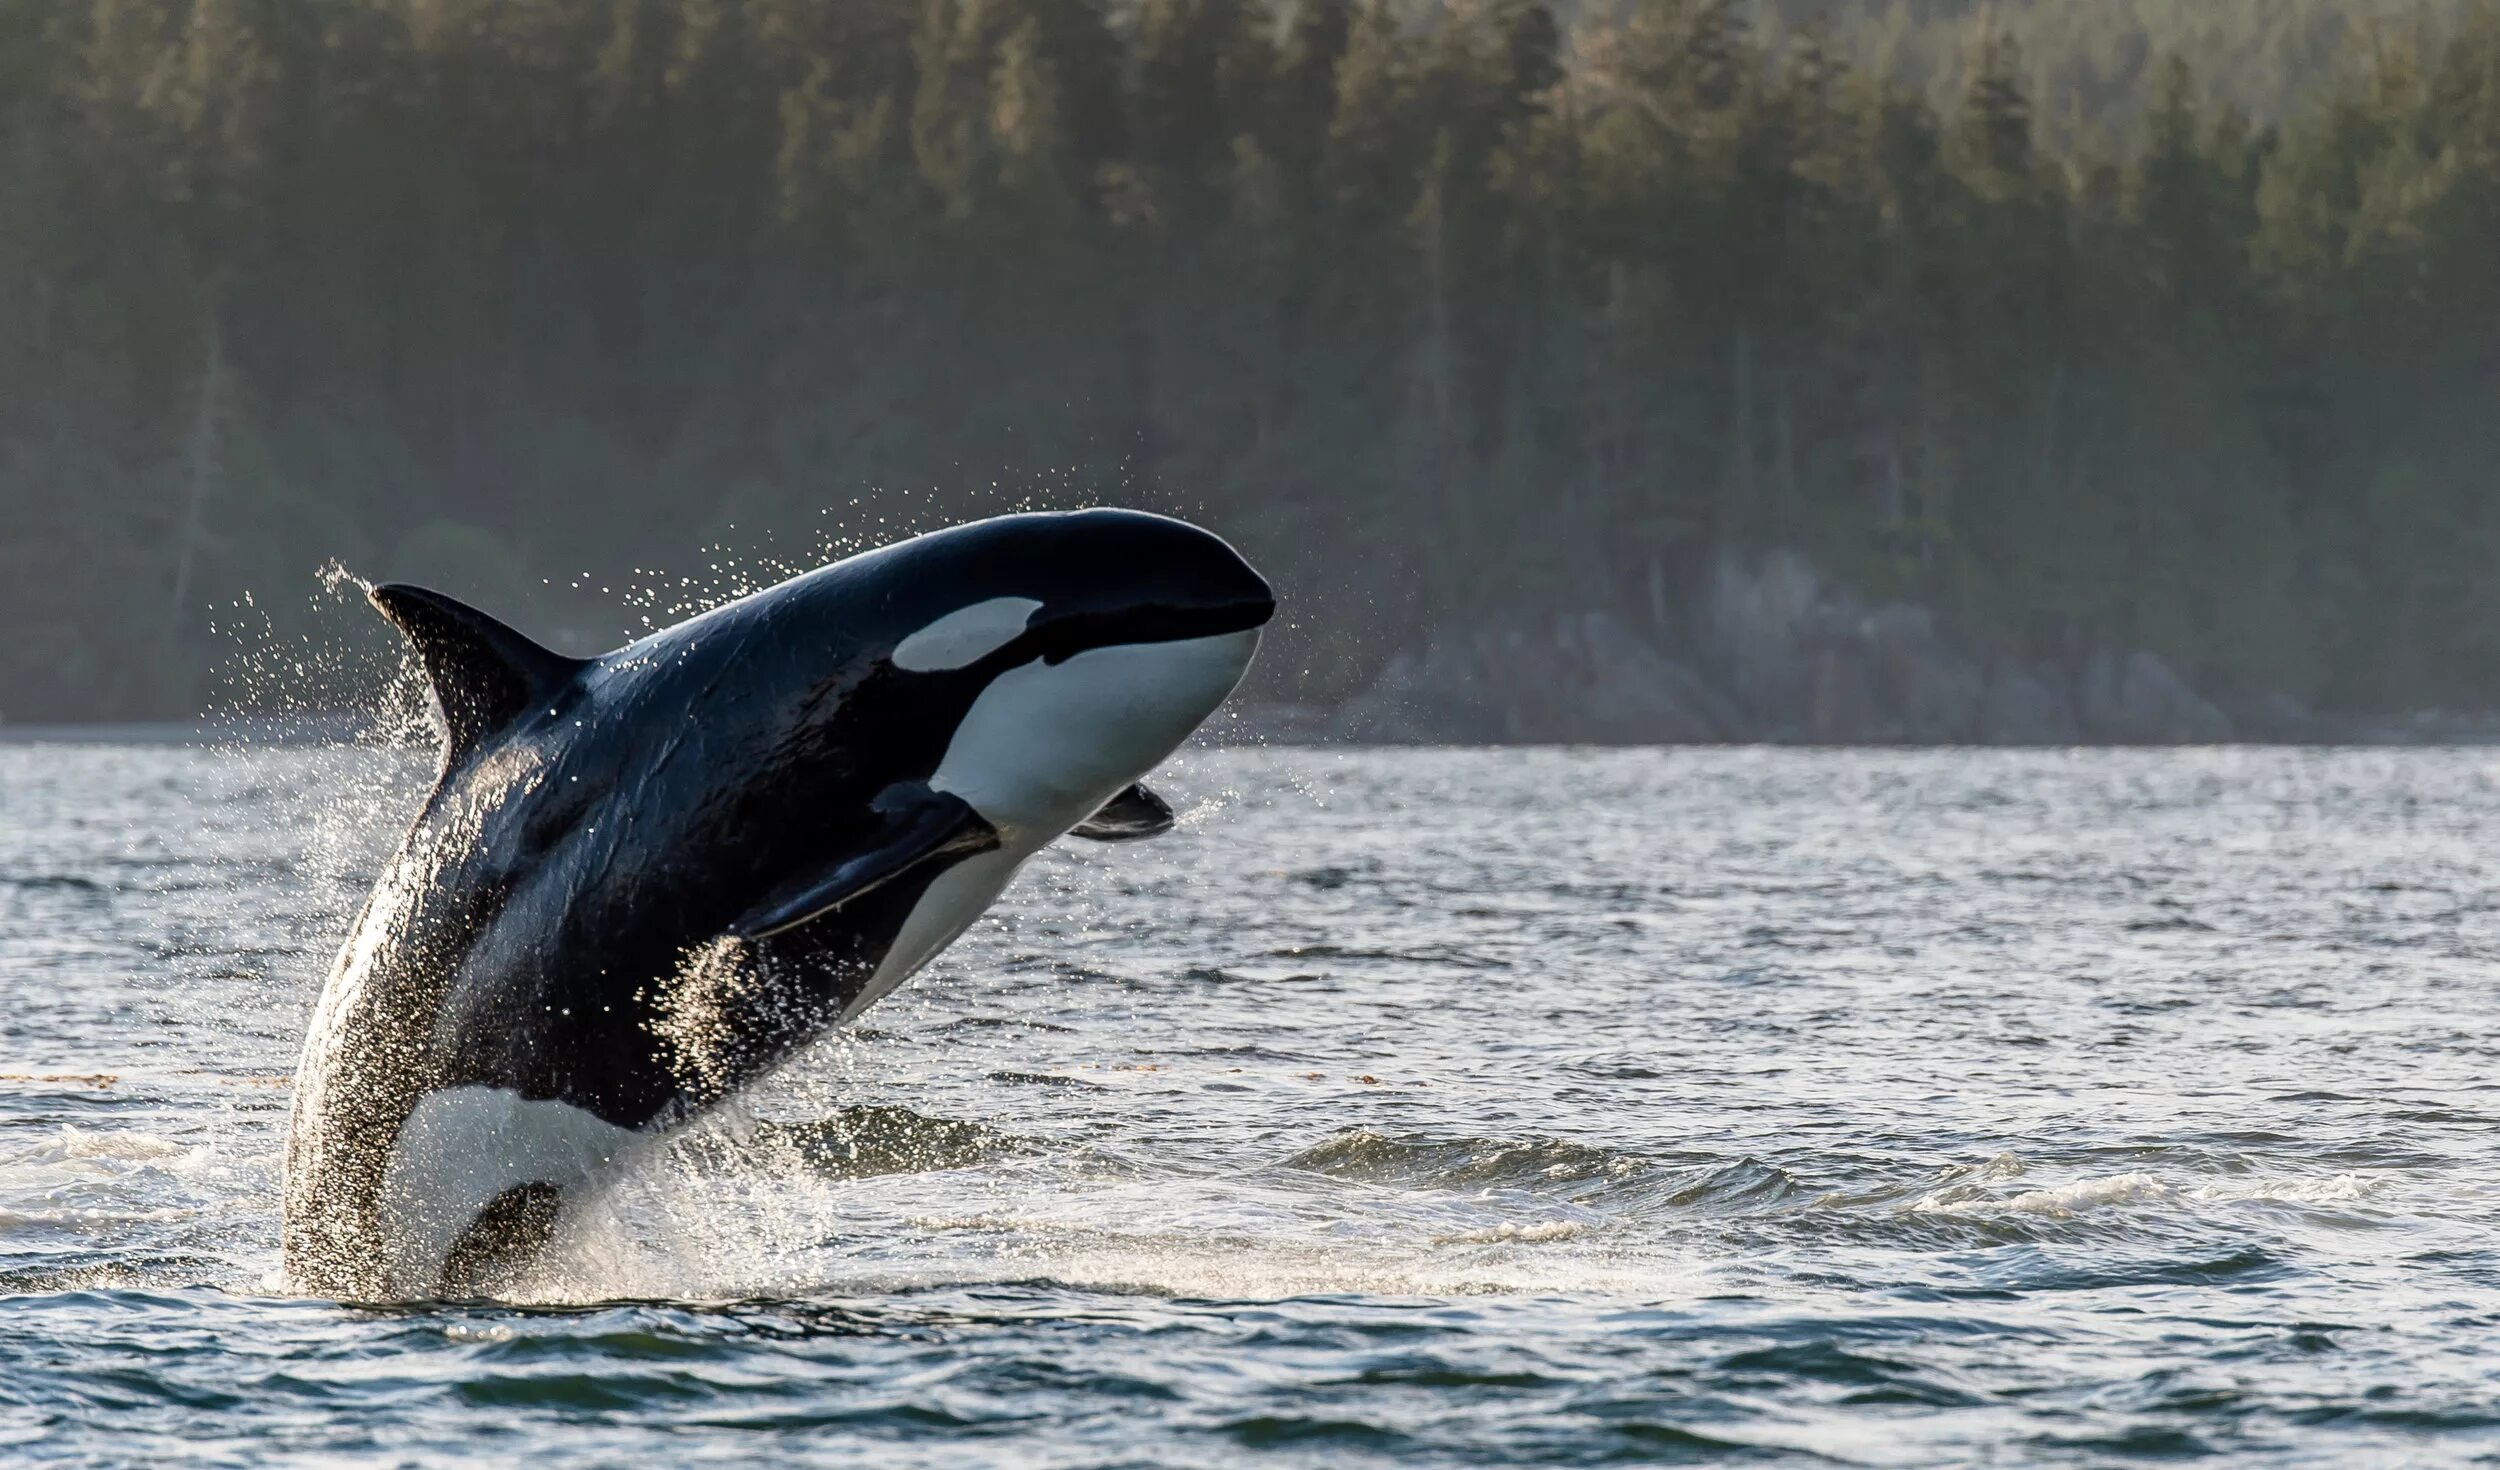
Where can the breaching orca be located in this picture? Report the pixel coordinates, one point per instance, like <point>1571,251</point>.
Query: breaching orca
<point>643,879</point>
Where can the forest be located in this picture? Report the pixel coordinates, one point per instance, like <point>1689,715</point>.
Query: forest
<point>2147,324</point>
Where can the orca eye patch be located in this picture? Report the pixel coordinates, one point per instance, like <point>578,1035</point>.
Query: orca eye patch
<point>966,635</point>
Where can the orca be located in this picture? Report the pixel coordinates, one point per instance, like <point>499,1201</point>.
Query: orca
<point>642,880</point>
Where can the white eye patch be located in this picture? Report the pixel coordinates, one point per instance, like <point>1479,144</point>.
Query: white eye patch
<point>965,635</point>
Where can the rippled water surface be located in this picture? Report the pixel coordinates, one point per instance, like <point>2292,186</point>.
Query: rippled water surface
<point>1454,1108</point>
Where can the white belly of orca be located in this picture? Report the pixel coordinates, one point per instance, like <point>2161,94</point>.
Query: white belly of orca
<point>463,1146</point>
<point>1040,751</point>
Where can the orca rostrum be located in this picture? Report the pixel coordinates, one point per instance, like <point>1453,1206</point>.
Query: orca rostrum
<point>642,880</point>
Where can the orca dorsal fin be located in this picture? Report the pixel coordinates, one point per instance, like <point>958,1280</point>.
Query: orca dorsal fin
<point>485,675</point>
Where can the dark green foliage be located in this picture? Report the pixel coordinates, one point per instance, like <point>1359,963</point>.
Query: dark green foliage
<point>1438,314</point>
<point>2092,65</point>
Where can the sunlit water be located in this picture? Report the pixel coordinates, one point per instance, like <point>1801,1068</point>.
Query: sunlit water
<point>1448,1108</point>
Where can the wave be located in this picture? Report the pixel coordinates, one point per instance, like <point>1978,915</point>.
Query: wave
<point>70,1218</point>
<point>1364,1156</point>
<point>68,882</point>
<point>72,1142</point>
<point>1017,1252</point>
<point>1613,1181</point>
<point>861,1141</point>
<point>2143,1191</point>
<point>850,1143</point>
<point>88,1182</point>
<point>1514,1233</point>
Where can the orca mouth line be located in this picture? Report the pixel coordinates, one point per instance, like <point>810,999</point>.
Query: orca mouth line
<point>1063,638</point>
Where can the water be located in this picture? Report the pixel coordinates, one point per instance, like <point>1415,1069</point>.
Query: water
<point>1402,1108</point>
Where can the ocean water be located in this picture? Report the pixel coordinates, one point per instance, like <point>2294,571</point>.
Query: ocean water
<point>1403,1108</point>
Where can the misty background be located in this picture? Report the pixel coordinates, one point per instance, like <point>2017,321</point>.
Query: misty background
<point>2162,333</point>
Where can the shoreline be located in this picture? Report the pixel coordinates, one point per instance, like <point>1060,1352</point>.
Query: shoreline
<point>1256,726</point>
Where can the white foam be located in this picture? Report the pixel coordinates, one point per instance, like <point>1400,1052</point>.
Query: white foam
<point>73,1142</point>
<point>2337,1189</point>
<point>1508,1233</point>
<point>81,1179</point>
<point>2143,1190</point>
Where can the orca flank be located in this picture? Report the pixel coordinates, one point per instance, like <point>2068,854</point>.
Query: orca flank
<point>646,878</point>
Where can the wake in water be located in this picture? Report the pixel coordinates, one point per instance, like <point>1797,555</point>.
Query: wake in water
<point>880,1198</point>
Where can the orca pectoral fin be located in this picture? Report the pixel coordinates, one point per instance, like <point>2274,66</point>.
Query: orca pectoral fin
<point>1132,814</point>
<point>917,825</point>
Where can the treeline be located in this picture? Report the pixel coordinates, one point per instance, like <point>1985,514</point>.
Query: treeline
<point>2091,65</point>
<point>1441,314</point>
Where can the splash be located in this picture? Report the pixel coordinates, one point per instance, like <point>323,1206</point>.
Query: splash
<point>335,674</point>
<point>708,1012</point>
<point>88,1182</point>
<point>1068,1220</point>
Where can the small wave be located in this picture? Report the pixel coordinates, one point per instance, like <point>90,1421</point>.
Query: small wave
<point>2338,1189</point>
<point>1048,1079</point>
<point>2141,1190</point>
<point>856,1143</point>
<point>1738,1187</point>
<point>77,1179</point>
<point>87,1219</point>
<point>1242,975</point>
<point>1020,1249</point>
<point>1429,954</point>
<point>73,1142</point>
<point>1330,877</point>
<point>69,882</point>
<point>2062,1203</point>
<point>1365,1156</point>
<point>1540,1233</point>
<point>998,1023</point>
<point>123,1271</point>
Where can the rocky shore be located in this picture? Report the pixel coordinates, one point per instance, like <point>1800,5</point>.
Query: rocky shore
<point>1769,652</point>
